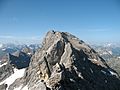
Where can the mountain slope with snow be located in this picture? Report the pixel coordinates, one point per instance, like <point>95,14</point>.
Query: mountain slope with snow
<point>17,74</point>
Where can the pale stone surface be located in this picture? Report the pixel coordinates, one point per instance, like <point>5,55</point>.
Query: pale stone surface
<point>66,63</point>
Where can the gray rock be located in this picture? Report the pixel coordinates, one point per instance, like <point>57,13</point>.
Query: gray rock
<point>5,71</point>
<point>3,87</point>
<point>66,63</point>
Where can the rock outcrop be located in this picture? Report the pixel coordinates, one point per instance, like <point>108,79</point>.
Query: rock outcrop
<point>3,87</point>
<point>66,63</point>
<point>5,71</point>
<point>13,64</point>
<point>19,59</point>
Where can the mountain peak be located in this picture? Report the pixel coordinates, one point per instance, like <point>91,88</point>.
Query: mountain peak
<point>66,63</point>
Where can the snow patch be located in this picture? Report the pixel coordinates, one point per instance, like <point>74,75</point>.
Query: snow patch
<point>112,73</point>
<point>93,59</point>
<point>13,77</point>
<point>25,88</point>
<point>29,53</point>
<point>72,80</point>
<point>1,45</point>
<point>3,64</point>
<point>110,52</point>
<point>21,88</point>
<point>3,49</point>
<point>119,57</point>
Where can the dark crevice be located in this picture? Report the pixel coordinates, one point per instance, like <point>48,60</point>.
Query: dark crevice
<point>49,72</point>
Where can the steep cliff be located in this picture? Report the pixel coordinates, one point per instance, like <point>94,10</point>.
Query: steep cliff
<point>66,63</point>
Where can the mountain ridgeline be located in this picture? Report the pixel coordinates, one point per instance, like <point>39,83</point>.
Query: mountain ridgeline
<point>66,63</point>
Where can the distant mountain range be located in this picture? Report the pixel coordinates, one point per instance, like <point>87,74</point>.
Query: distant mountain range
<point>13,61</point>
<point>12,48</point>
<point>62,62</point>
<point>108,50</point>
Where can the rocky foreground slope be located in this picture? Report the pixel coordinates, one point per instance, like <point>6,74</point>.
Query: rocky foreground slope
<point>13,66</point>
<point>66,63</point>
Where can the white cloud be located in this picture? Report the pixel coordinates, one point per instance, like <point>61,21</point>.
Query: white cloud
<point>35,37</point>
<point>24,40</point>
<point>7,37</point>
<point>15,37</point>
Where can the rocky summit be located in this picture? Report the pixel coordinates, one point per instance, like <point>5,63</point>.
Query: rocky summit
<point>66,63</point>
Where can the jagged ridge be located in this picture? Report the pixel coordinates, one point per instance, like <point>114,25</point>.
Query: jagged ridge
<point>66,63</point>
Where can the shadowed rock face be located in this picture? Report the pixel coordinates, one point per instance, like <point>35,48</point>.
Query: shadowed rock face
<point>66,63</point>
<point>19,59</point>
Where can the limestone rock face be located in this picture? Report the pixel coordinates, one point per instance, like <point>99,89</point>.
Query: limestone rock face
<point>66,63</point>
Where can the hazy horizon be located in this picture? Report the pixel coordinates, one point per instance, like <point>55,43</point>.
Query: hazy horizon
<point>39,40</point>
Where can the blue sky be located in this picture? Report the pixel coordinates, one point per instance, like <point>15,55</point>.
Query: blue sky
<point>90,20</point>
